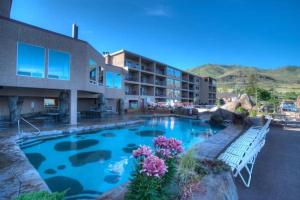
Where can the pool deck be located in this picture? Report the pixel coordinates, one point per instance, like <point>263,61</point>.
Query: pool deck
<point>213,146</point>
<point>276,174</point>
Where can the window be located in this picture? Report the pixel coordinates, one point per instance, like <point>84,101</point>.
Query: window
<point>170,93</point>
<point>176,94</point>
<point>50,103</point>
<point>177,73</point>
<point>95,73</point>
<point>133,104</point>
<point>170,71</point>
<point>177,84</point>
<point>113,80</point>
<point>170,82</point>
<point>30,60</point>
<point>59,65</point>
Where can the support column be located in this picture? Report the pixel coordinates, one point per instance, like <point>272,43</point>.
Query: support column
<point>14,106</point>
<point>73,107</point>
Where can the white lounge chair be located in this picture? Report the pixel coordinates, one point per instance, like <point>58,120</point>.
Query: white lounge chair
<point>242,153</point>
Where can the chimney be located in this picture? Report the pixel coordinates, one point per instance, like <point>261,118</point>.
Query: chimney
<point>74,31</point>
<point>5,8</point>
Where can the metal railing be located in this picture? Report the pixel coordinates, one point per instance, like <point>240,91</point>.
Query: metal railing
<point>38,131</point>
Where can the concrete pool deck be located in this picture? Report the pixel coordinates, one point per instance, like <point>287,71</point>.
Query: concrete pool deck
<point>276,174</point>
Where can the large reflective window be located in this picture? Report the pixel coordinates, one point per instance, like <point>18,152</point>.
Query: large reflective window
<point>177,84</point>
<point>118,81</point>
<point>113,80</point>
<point>170,82</point>
<point>170,71</point>
<point>31,60</point>
<point>59,65</point>
<point>177,73</point>
<point>170,93</point>
<point>93,71</point>
<point>177,94</point>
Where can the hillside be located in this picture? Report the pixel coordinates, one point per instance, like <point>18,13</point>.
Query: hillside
<point>282,79</point>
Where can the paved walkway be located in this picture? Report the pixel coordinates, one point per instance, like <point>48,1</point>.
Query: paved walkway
<point>276,174</point>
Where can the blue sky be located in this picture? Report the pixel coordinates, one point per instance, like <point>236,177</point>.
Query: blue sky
<point>263,33</point>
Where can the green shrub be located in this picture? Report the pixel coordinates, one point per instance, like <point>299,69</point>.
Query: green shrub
<point>187,169</point>
<point>253,113</point>
<point>215,166</point>
<point>42,196</point>
<point>240,110</point>
<point>145,188</point>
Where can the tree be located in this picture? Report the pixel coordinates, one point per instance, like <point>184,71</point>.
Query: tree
<point>291,96</point>
<point>263,95</point>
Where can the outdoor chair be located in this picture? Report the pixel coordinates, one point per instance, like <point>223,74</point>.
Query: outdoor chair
<point>242,153</point>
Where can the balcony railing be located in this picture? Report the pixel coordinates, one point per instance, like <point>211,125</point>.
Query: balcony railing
<point>185,79</point>
<point>160,95</point>
<point>148,69</point>
<point>132,79</point>
<point>162,83</point>
<point>147,93</point>
<point>160,72</point>
<point>131,93</point>
<point>147,81</point>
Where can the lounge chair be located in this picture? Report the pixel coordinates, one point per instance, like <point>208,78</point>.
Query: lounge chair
<point>242,153</point>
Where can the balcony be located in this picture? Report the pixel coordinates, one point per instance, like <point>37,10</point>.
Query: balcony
<point>131,92</point>
<point>147,81</point>
<point>132,65</point>
<point>131,78</point>
<point>161,83</point>
<point>147,68</point>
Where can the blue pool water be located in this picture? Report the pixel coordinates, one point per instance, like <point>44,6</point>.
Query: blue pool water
<point>93,163</point>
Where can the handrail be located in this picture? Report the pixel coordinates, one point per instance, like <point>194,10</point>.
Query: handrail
<point>33,126</point>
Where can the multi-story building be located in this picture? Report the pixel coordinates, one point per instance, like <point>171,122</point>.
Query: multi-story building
<point>148,80</point>
<point>41,69</point>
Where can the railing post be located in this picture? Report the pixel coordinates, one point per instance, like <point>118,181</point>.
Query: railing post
<point>19,129</point>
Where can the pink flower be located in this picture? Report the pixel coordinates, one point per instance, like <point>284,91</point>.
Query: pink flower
<point>161,142</point>
<point>163,153</point>
<point>142,151</point>
<point>175,146</point>
<point>154,166</point>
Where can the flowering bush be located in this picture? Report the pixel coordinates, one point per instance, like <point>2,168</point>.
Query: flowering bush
<point>154,172</point>
<point>175,146</point>
<point>142,151</point>
<point>161,142</point>
<point>154,166</point>
<point>168,147</point>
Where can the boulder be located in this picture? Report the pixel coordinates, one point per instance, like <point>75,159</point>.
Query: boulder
<point>231,106</point>
<point>246,102</point>
<point>215,186</point>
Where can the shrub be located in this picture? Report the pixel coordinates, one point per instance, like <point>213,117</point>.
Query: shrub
<point>154,172</point>
<point>42,196</point>
<point>189,173</point>
<point>240,110</point>
<point>215,166</point>
<point>253,113</point>
<point>186,171</point>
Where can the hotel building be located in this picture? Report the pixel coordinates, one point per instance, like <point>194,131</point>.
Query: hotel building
<point>41,70</point>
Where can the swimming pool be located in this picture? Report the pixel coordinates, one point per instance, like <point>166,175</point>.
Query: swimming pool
<point>92,163</point>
